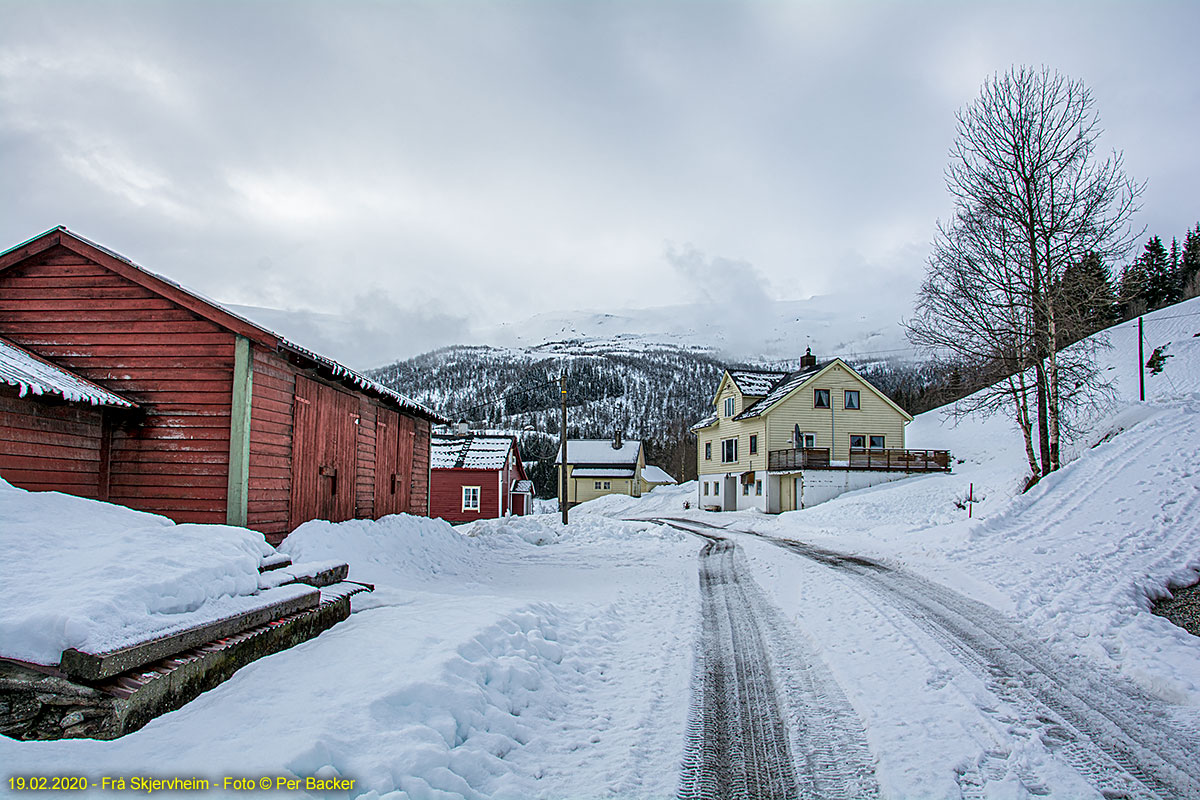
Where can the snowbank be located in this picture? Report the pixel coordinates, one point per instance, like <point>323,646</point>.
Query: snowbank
<point>657,502</point>
<point>95,576</point>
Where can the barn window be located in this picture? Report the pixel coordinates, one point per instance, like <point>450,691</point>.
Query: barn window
<point>470,498</point>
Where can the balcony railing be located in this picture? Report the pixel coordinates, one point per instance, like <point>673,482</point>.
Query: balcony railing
<point>799,458</point>
<point>883,460</point>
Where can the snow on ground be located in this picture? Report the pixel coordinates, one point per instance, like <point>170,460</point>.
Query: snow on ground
<point>659,501</point>
<point>506,659</point>
<point>95,576</point>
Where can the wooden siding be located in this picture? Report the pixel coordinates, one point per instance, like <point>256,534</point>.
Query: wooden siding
<point>446,493</point>
<point>51,446</point>
<point>875,416</point>
<point>124,336</point>
<point>418,499</point>
<point>271,445</point>
<point>324,453</point>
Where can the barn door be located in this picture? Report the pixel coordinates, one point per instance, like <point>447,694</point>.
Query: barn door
<point>388,482</point>
<point>324,453</point>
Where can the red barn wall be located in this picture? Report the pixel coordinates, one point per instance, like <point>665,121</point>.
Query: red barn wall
<point>50,446</point>
<point>144,346</point>
<point>273,387</point>
<point>418,502</point>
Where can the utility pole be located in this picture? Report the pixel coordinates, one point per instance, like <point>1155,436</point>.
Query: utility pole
<point>1141,365</point>
<point>562,388</point>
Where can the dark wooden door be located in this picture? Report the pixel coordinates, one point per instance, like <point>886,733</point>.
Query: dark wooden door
<point>324,453</point>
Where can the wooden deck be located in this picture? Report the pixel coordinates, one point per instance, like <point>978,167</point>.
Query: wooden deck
<point>860,459</point>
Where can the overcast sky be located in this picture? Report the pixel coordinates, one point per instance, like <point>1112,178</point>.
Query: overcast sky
<point>435,168</point>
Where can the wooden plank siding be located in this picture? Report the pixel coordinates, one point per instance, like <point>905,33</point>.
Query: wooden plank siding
<point>271,445</point>
<point>418,501</point>
<point>49,446</point>
<point>169,360</point>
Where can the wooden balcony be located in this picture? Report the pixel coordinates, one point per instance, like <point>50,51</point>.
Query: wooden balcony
<point>861,459</point>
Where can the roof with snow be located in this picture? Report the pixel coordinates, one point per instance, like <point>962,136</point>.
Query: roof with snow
<point>788,383</point>
<point>337,371</point>
<point>600,451</point>
<point>652,474</point>
<point>523,487</point>
<point>755,383</point>
<point>704,423</point>
<point>469,452</point>
<point>32,374</point>
<point>602,472</point>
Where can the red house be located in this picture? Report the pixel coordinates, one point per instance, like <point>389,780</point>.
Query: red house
<point>477,476</point>
<point>158,399</point>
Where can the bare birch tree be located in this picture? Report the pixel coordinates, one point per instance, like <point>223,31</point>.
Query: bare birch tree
<point>1032,198</point>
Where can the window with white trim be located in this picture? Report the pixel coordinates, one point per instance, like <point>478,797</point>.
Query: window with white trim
<point>729,404</point>
<point>808,440</point>
<point>729,451</point>
<point>608,484</point>
<point>597,486</point>
<point>850,400</point>
<point>470,498</point>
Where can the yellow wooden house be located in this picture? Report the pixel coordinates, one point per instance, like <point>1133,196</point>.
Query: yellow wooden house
<point>778,441</point>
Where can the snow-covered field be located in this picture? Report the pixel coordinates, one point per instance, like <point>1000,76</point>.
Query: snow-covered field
<point>517,658</point>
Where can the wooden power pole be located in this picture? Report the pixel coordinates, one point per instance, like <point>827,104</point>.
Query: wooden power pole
<point>1141,365</point>
<point>562,472</point>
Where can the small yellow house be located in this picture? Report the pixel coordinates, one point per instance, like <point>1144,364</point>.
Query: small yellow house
<point>779,441</point>
<point>596,467</point>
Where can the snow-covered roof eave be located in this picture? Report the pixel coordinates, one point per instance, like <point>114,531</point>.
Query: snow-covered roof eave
<point>32,374</point>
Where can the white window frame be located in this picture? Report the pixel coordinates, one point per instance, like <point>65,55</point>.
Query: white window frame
<point>724,459</point>
<point>730,406</point>
<point>471,496</point>
<point>808,441</point>
<point>596,486</point>
<point>608,484</point>
<point>857,400</point>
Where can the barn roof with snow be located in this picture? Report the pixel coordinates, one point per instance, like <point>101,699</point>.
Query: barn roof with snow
<point>32,374</point>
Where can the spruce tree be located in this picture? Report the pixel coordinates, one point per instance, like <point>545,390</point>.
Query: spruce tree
<point>1189,264</point>
<point>1090,304</point>
<point>1159,289</point>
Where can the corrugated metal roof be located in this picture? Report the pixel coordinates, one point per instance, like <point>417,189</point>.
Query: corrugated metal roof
<point>600,451</point>
<point>469,452</point>
<point>32,374</point>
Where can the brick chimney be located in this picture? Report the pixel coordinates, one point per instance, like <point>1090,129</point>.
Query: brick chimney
<point>808,360</point>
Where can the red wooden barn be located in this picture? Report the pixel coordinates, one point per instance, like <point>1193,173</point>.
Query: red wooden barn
<point>477,476</point>
<point>158,399</point>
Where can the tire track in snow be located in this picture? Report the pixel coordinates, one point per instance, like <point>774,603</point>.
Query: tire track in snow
<point>738,744</point>
<point>1117,736</point>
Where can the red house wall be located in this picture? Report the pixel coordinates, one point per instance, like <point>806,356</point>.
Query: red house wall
<point>446,494</point>
<point>50,446</point>
<point>173,363</point>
